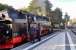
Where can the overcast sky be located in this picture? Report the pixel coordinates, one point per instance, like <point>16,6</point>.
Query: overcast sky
<point>16,3</point>
<point>68,6</point>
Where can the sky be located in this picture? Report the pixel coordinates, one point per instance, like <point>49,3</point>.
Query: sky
<point>16,3</point>
<point>65,5</point>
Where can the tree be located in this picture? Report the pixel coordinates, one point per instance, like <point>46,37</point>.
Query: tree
<point>38,9</point>
<point>58,15</point>
<point>4,6</point>
<point>48,7</point>
<point>33,8</point>
<point>49,13</point>
<point>23,10</point>
<point>66,18</point>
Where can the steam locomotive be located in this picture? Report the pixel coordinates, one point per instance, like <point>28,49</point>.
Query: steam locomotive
<point>19,33</point>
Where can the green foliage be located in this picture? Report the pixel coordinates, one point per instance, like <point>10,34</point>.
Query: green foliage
<point>67,17</point>
<point>32,6</point>
<point>23,10</point>
<point>48,7</point>
<point>58,14</point>
<point>4,6</point>
<point>56,17</point>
